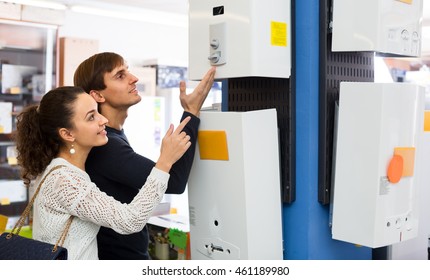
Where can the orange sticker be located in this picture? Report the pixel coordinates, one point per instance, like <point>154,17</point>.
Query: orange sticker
<point>406,1</point>
<point>213,144</point>
<point>427,121</point>
<point>3,223</point>
<point>408,155</point>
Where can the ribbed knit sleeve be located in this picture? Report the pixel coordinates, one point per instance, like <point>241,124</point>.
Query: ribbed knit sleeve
<point>76,194</point>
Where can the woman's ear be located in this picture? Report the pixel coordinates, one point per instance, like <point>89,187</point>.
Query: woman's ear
<point>98,97</point>
<point>66,135</point>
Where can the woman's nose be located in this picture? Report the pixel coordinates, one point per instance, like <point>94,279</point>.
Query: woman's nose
<point>103,120</point>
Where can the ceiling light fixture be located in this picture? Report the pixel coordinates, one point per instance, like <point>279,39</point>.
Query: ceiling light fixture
<point>150,16</point>
<point>39,3</point>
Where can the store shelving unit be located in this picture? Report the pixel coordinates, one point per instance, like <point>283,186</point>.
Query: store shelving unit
<point>22,45</point>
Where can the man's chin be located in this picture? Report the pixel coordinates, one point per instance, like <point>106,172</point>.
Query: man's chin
<point>137,100</point>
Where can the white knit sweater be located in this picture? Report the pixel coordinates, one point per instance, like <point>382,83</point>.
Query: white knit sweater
<point>69,191</point>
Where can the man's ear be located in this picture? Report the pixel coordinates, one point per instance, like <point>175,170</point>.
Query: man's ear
<point>98,97</point>
<point>66,135</point>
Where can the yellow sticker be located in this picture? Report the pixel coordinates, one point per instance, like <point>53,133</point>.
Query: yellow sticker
<point>278,34</point>
<point>213,144</point>
<point>406,1</point>
<point>4,201</point>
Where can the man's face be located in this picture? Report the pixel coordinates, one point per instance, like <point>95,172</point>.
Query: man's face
<point>120,91</point>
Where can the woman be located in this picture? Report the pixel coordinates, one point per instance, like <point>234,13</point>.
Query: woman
<point>106,77</point>
<point>61,131</point>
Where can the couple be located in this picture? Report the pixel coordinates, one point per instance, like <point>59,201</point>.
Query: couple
<point>109,189</point>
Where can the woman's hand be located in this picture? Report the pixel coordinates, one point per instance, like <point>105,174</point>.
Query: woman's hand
<point>173,146</point>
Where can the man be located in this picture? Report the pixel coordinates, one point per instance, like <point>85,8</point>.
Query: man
<point>115,167</point>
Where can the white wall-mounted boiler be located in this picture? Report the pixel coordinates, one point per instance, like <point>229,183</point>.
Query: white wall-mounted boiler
<point>234,188</point>
<point>383,26</point>
<point>380,131</point>
<point>242,38</point>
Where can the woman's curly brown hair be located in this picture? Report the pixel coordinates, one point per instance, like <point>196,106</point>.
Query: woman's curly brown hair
<point>37,135</point>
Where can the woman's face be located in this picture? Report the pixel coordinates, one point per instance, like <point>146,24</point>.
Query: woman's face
<point>89,126</point>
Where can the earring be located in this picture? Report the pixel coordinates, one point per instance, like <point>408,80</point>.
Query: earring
<point>72,150</point>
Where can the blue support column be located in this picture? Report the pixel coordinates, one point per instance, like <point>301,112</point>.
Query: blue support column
<point>306,222</point>
<point>224,95</point>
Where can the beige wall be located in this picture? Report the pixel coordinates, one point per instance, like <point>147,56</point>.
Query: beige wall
<point>135,40</point>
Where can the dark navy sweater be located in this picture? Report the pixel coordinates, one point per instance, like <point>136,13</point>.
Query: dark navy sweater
<point>120,172</point>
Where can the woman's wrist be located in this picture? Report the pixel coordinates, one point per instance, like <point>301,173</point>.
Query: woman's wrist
<point>163,166</point>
